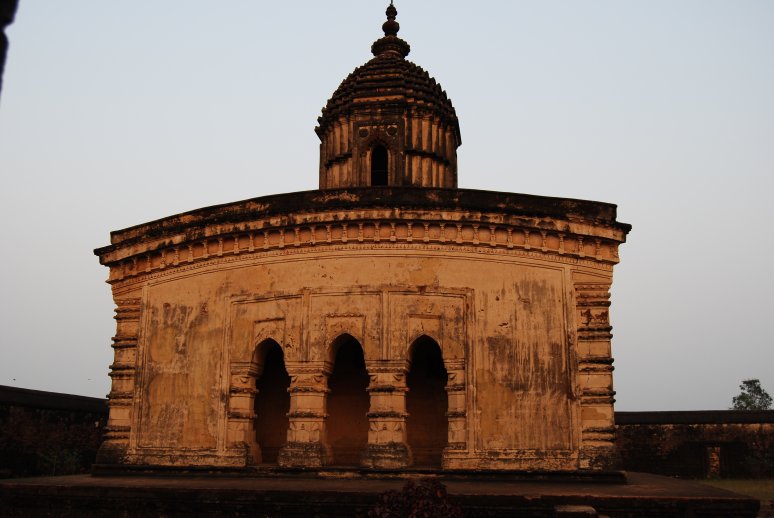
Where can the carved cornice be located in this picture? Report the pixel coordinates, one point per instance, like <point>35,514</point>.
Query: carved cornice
<point>180,241</point>
<point>131,283</point>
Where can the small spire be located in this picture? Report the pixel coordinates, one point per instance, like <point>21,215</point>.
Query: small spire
<point>390,43</point>
<point>391,27</point>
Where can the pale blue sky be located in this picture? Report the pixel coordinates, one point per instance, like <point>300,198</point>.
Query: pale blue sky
<point>117,113</point>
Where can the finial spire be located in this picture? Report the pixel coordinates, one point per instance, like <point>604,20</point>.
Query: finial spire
<point>390,43</point>
<point>391,27</point>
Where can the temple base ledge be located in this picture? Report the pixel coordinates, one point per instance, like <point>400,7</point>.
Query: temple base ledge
<point>353,472</point>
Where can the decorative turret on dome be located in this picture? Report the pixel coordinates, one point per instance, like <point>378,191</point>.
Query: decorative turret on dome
<point>390,42</point>
<point>388,123</point>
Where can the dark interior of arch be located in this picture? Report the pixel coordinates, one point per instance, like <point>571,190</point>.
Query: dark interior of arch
<point>426,402</point>
<point>379,165</point>
<point>272,402</point>
<point>348,403</point>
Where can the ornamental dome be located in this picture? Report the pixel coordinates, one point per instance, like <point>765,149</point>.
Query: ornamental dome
<point>388,123</point>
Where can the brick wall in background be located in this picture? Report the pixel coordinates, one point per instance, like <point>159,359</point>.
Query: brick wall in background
<point>717,443</point>
<point>47,433</point>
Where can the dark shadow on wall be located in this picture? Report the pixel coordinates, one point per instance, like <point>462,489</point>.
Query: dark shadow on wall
<point>348,403</point>
<point>272,402</point>
<point>426,403</point>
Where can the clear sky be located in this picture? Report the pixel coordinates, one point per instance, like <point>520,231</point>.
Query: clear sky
<point>117,113</point>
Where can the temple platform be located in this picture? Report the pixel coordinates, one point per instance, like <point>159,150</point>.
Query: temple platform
<point>349,493</point>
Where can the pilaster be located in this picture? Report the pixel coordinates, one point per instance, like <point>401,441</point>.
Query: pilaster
<point>307,444</point>
<point>387,443</point>
<point>595,375</point>
<point>241,433</point>
<point>122,374</point>
<point>457,412</point>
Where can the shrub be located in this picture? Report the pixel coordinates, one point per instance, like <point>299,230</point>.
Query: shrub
<point>428,499</point>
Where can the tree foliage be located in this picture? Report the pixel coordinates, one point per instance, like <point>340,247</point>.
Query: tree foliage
<point>751,397</point>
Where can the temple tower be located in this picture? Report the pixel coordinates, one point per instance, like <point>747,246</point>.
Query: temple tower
<point>388,123</point>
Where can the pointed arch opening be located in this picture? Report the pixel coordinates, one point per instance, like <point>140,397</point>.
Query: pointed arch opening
<point>272,400</point>
<point>427,426</point>
<point>379,165</point>
<point>348,402</point>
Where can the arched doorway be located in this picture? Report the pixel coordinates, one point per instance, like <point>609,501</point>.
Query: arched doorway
<point>427,426</point>
<point>348,402</point>
<point>272,402</point>
<point>379,162</point>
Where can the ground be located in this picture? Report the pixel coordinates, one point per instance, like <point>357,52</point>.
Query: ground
<point>762,489</point>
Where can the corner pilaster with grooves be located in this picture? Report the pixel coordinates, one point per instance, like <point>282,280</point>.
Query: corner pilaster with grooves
<point>595,374</point>
<point>122,374</point>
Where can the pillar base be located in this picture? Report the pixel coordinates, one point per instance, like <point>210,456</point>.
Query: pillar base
<point>606,458</point>
<point>387,456</point>
<point>304,455</point>
<point>110,452</point>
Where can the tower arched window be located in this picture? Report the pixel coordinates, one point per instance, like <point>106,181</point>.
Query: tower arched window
<point>379,165</point>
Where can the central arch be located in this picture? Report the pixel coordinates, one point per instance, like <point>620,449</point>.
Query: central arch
<point>272,401</point>
<point>427,426</point>
<point>348,402</point>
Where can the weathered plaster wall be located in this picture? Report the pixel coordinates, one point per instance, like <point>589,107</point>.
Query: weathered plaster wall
<point>508,319</point>
<point>518,307</point>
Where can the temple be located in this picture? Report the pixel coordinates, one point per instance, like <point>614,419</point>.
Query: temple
<point>387,320</point>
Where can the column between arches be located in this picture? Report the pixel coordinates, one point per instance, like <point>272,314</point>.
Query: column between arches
<point>307,442</point>
<point>387,442</point>
<point>456,390</point>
